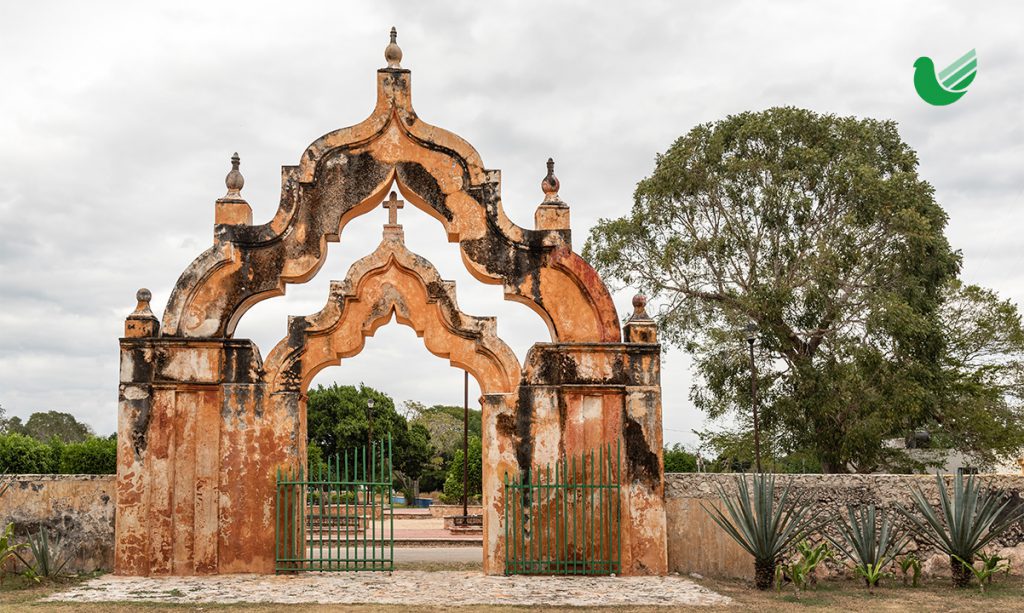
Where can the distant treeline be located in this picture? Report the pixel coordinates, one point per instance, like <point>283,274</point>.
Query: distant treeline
<point>54,442</point>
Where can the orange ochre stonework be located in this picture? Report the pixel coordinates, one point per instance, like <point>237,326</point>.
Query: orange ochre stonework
<point>205,423</point>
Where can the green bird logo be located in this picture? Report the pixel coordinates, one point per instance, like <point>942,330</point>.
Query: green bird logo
<point>950,84</point>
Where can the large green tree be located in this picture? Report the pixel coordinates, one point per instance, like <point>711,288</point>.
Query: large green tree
<point>45,425</point>
<point>337,419</point>
<point>817,229</point>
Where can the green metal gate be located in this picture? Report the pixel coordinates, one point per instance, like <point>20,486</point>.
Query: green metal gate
<point>340,517</point>
<point>567,521</point>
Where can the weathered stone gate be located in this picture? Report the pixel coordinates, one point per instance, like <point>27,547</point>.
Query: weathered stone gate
<point>204,423</point>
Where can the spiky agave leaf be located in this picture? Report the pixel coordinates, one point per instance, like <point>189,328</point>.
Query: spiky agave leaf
<point>971,519</point>
<point>865,540</point>
<point>761,525</point>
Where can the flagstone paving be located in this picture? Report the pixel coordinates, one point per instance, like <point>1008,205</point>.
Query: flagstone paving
<point>448,588</point>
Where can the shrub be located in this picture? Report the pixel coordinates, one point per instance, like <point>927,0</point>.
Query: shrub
<point>20,454</point>
<point>761,524</point>
<point>94,456</point>
<point>679,460</point>
<point>965,523</point>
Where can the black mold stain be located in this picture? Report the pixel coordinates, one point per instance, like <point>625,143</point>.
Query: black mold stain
<point>141,411</point>
<point>416,178</point>
<point>641,462</point>
<point>523,440</point>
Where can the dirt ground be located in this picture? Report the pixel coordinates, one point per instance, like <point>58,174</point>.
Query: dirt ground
<point>1006,594</point>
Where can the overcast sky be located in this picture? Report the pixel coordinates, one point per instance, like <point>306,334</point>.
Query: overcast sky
<point>117,122</point>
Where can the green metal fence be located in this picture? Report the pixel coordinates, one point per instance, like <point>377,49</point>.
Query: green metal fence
<point>565,521</point>
<point>338,518</point>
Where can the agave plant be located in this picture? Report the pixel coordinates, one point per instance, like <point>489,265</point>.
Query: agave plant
<point>761,524</point>
<point>870,541</point>
<point>48,559</point>
<point>965,523</point>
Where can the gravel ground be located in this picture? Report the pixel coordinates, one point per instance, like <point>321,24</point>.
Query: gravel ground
<point>410,587</point>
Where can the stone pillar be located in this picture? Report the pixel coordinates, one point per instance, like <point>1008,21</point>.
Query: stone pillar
<point>198,448</point>
<point>577,397</point>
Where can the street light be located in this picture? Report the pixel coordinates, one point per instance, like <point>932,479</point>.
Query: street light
<point>369,416</point>
<point>751,331</point>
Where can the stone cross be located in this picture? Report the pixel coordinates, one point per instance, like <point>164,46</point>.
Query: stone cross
<point>392,204</point>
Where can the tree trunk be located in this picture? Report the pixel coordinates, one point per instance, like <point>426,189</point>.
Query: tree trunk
<point>961,574</point>
<point>764,572</point>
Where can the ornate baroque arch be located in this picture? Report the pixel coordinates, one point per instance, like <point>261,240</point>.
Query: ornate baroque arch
<point>344,174</point>
<point>391,282</point>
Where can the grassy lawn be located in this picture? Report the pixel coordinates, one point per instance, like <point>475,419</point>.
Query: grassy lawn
<point>1006,594</point>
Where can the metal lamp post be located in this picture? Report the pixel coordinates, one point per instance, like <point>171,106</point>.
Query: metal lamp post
<point>751,331</point>
<point>465,443</point>
<point>369,434</point>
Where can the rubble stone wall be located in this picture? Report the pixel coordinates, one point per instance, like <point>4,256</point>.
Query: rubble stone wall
<point>697,545</point>
<point>77,509</point>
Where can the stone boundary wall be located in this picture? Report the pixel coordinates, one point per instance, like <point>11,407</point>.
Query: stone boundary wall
<point>79,509</point>
<point>698,545</point>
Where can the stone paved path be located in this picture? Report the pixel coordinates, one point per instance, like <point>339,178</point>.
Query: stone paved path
<point>448,588</point>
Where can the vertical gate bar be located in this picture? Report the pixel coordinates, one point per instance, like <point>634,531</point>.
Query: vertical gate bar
<point>618,506</point>
<point>307,528</point>
<point>534,534</point>
<point>521,532</point>
<point>364,465</point>
<point>373,504</point>
<point>344,519</point>
<point>600,505</point>
<point>574,510</point>
<point>583,503</point>
<point>556,554</point>
<point>290,519</point>
<point>328,514</point>
<point>563,555</point>
<point>391,509</point>
<point>291,516</point>
<point>540,520</point>
<point>320,514</point>
<point>277,518</point>
<point>547,519</point>
<point>593,484</point>
<point>304,554</point>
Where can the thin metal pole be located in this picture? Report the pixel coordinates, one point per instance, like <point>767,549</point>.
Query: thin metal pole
<point>465,443</point>
<point>753,401</point>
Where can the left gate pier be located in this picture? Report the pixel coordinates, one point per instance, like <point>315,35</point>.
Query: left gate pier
<point>198,448</point>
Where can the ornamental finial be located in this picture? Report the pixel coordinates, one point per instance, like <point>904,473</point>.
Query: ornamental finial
<point>550,185</point>
<point>143,296</point>
<point>234,181</point>
<point>640,307</point>
<point>393,53</point>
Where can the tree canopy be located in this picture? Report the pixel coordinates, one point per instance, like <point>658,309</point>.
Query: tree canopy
<point>337,419</point>
<point>43,426</point>
<point>819,230</point>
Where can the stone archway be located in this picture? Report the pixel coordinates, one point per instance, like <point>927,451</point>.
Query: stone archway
<point>204,423</point>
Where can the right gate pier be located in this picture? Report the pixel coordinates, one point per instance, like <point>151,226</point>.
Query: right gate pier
<point>577,398</point>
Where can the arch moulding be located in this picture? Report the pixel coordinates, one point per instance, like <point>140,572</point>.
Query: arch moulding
<point>204,423</point>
